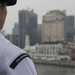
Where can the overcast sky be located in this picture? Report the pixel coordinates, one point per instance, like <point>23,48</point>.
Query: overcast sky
<point>40,8</point>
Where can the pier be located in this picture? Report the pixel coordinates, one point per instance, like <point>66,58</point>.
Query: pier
<point>55,62</point>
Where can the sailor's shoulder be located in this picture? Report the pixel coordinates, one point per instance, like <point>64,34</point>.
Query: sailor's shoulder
<point>10,52</point>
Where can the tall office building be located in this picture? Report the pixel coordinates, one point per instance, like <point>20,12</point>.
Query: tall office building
<point>27,25</point>
<point>39,33</point>
<point>69,28</point>
<point>15,34</point>
<point>53,26</point>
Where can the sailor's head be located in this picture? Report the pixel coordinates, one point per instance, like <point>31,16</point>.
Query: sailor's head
<point>3,10</point>
<point>8,2</point>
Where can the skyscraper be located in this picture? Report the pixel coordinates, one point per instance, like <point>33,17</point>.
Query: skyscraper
<point>39,33</point>
<point>27,25</point>
<point>53,26</point>
<point>69,28</point>
<point>15,34</point>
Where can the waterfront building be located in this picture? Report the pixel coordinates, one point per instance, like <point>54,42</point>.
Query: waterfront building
<point>27,25</point>
<point>27,41</point>
<point>69,28</point>
<point>48,50</point>
<point>74,38</point>
<point>73,54</point>
<point>53,26</point>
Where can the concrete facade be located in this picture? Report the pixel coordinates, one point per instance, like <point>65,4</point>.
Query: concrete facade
<point>53,26</point>
<point>27,25</point>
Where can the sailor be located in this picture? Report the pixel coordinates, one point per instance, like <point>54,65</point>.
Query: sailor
<point>13,60</point>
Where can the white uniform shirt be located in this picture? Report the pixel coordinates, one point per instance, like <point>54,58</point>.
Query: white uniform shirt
<point>13,60</point>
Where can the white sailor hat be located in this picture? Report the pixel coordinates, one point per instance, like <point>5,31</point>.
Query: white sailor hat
<point>9,2</point>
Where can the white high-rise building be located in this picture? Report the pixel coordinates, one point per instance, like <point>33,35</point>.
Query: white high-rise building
<point>27,41</point>
<point>53,26</point>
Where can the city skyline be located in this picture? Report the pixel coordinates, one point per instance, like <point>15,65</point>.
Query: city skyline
<point>40,8</point>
